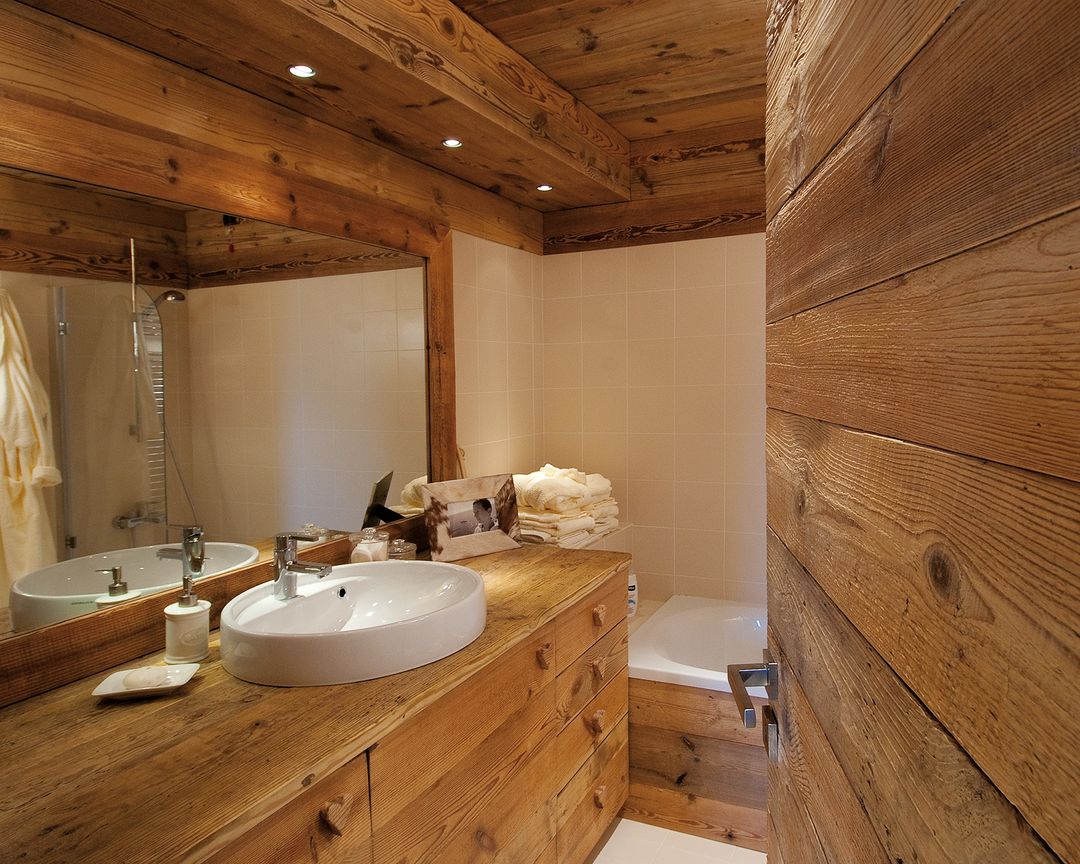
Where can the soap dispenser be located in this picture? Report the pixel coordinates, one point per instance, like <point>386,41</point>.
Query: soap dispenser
<point>187,627</point>
<point>118,589</point>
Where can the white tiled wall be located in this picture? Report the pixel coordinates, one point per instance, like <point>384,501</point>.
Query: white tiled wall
<point>653,373</point>
<point>645,364</point>
<point>304,393</point>
<point>497,340</point>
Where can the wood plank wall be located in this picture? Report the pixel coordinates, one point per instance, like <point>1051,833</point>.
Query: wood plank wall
<point>923,432</point>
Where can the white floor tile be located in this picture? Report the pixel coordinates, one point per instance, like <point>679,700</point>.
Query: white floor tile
<point>638,843</point>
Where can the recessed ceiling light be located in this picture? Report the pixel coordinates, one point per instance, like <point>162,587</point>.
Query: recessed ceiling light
<point>452,143</point>
<point>301,70</point>
<point>544,187</point>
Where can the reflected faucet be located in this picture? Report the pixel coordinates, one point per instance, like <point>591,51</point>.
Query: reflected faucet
<point>191,556</point>
<point>287,567</point>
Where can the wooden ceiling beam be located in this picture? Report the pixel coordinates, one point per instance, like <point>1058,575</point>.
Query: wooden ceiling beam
<point>401,75</point>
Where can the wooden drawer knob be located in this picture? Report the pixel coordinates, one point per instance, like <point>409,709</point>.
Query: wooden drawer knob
<point>599,797</point>
<point>599,614</point>
<point>596,722</point>
<point>599,667</point>
<point>543,655</point>
<point>335,813</point>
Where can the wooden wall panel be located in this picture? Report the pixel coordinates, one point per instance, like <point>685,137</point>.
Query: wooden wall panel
<point>966,338</point>
<point>162,130</point>
<point>963,147</point>
<point>962,574</point>
<point>817,49</point>
<point>902,785</point>
<point>652,220</point>
<point>63,231</point>
<point>256,251</point>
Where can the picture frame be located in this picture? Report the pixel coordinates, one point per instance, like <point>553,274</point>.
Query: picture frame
<point>475,516</point>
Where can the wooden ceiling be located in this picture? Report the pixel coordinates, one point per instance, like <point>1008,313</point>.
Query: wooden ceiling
<point>646,115</point>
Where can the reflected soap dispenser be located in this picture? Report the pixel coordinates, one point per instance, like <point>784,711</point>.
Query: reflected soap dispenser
<point>118,589</point>
<point>187,627</point>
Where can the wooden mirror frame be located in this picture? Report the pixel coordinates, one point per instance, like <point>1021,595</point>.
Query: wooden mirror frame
<point>39,660</point>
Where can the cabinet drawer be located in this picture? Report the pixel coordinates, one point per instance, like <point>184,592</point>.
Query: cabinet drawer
<point>590,618</point>
<point>593,797</point>
<point>330,822</point>
<point>409,761</point>
<point>590,673</point>
<point>586,732</point>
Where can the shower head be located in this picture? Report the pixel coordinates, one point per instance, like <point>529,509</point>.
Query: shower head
<point>170,296</point>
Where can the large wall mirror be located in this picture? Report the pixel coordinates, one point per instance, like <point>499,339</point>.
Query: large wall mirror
<point>242,376</point>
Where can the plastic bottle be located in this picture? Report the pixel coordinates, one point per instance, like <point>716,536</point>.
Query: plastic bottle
<point>631,594</point>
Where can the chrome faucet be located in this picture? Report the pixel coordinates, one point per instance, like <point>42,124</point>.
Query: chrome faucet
<point>191,555</point>
<point>287,567</point>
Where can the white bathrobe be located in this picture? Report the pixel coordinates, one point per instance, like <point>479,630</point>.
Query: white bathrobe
<point>26,451</point>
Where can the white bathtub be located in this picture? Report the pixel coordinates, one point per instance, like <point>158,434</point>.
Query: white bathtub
<point>691,641</point>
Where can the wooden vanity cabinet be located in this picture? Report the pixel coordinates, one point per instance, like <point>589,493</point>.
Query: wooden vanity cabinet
<point>523,762</point>
<point>330,823</point>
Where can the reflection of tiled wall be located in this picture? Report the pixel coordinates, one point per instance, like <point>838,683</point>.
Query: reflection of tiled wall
<point>497,336</point>
<point>653,371</point>
<point>303,393</point>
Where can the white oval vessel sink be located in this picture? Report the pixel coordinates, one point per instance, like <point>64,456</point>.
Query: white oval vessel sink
<point>69,589</point>
<point>362,621</point>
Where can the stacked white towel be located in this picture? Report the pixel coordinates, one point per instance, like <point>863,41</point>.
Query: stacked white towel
<point>412,504</point>
<point>564,506</point>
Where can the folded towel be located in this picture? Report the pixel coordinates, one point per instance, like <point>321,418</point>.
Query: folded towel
<point>410,495</point>
<point>551,488</point>
<point>560,528</point>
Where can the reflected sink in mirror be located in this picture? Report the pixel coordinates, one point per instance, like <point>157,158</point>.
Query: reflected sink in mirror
<point>362,621</point>
<point>71,588</point>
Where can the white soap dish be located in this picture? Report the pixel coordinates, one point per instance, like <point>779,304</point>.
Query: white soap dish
<point>145,681</point>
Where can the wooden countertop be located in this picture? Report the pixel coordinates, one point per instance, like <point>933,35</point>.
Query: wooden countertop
<point>172,779</point>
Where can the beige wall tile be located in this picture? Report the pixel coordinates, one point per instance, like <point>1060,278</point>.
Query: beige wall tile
<point>562,412</point>
<point>651,268</point>
<point>744,359</point>
<point>561,450</point>
<point>603,317</point>
<point>519,272</point>
<point>465,313</point>
<point>746,592</point>
<point>491,266</point>
<point>744,307</point>
<point>653,586</point>
<point>464,260</point>
<point>491,316</point>
<point>696,586</point>
<point>699,312</point>
<point>699,262</point>
<point>520,374</point>
<point>699,457</point>
<point>652,502</point>
<point>744,508</point>
<point>652,457</point>
<point>521,453</point>
<point>699,553</point>
<point>562,275</point>
<point>654,549</point>
<point>746,259</point>
<point>652,362</point>
<point>604,409</point>
<point>699,409</point>
<point>522,414</point>
<point>604,364</point>
<point>744,557</point>
<point>468,419</point>
<point>607,454</point>
<point>652,409</point>
<point>604,271</point>
<point>482,460</point>
<point>409,286</point>
<point>378,291</point>
<point>700,360</point>
<point>699,506</point>
<point>744,409</point>
<point>744,459</point>
<point>493,416</point>
<point>562,365</point>
<point>651,315</point>
<point>520,318</point>
<point>562,320</point>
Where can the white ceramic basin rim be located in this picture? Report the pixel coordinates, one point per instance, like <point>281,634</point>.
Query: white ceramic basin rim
<point>362,621</point>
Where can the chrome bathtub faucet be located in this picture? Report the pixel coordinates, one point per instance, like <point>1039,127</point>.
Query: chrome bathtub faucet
<point>287,566</point>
